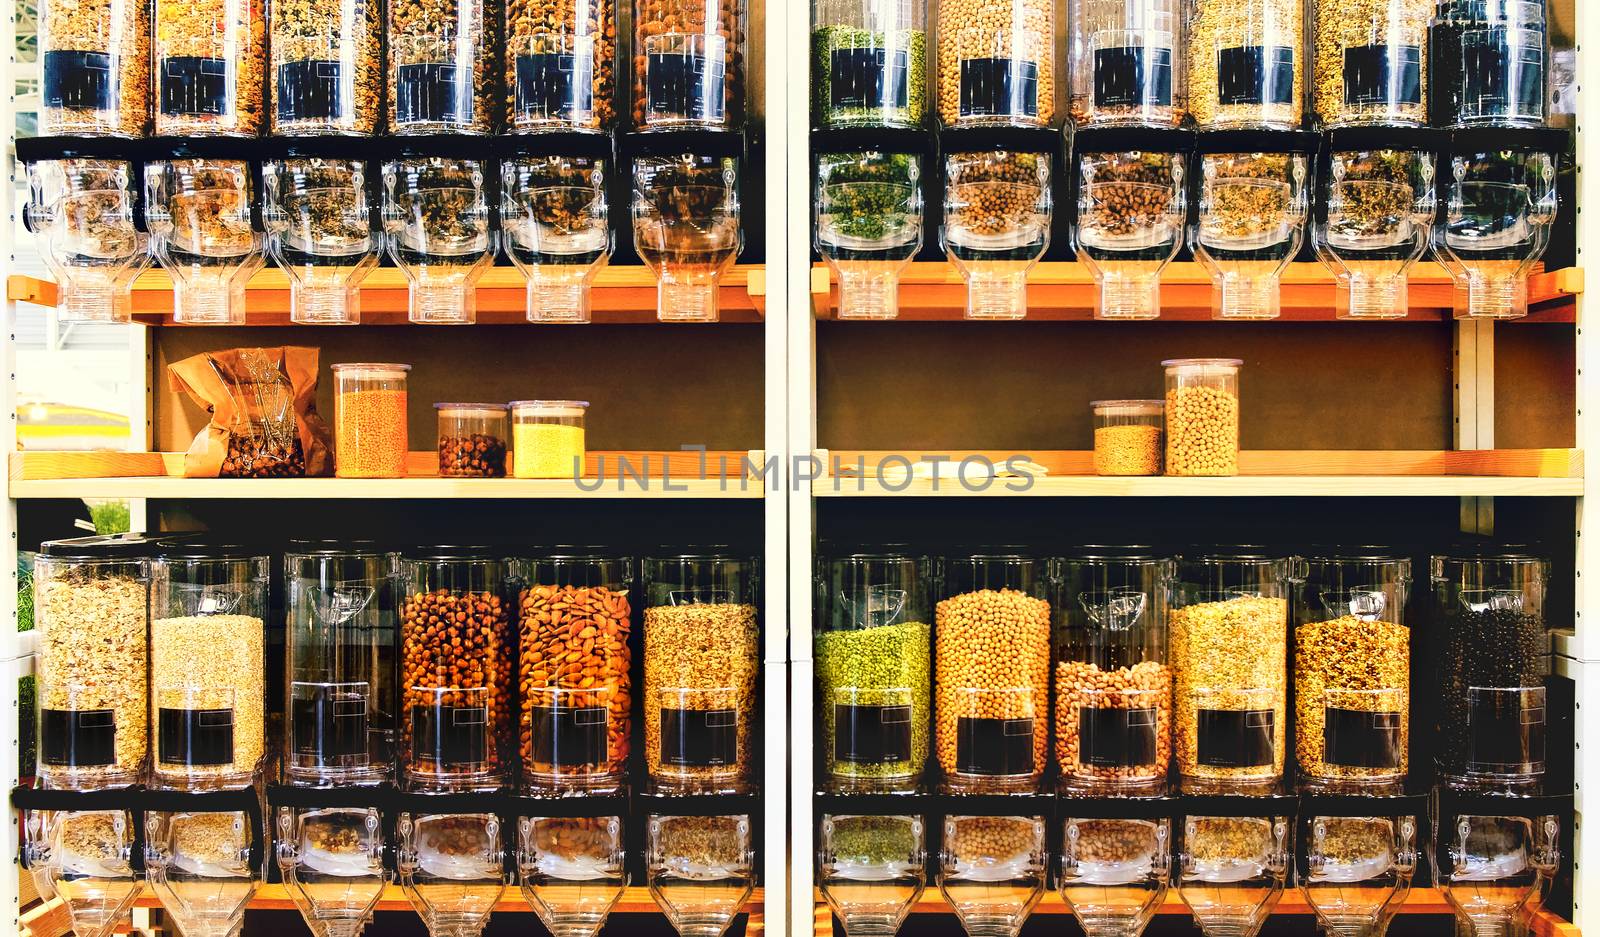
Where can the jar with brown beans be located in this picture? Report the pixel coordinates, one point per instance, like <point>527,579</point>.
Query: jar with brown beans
<point>560,63</point>
<point>688,63</point>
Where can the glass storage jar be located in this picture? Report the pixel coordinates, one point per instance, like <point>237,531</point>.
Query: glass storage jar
<point>95,67</point>
<point>1369,62</point>
<point>1352,668</point>
<point>555,224</point>
<point>442,63</point>
<point>1124,60</point>
<point>209,59</point>
<point>992,871</point>
<point>686,229</point>
<point>208,605</point>
<point>996,62</point>
<point>872,645</point>
<point>996,226</point>
<point>201,232</point>
<point>872,870</point>
<point>452,869</point>
<point>457,670</point>
<point>1488,63</point>
<point>340,599</point>
<point>331,861</point>
<point>1491,654</point>
<point>436,230</point>
<point>1499,210</point>
<point>1491,868</point>
<point>1229,625</point>
<point>560,65</point>
<point>572,870</point>
<point>547,438</point>
<point>1355,871</point>
<point>91,610</point>
<point>319,230</point>
<point>702,657</point>
<point>1202,416</point>
<point>688,64</point>
<point>1375,215</point>
<point>369,420</point>
<point>326,67</point>
<point>82,212</point>
<point>83,858</point>
<point>701,870</point>
<point>869,63</point>
<point>1246,62</point>
<point>472,439</point>
<point>1113,688</point>
<point>1114,872</point>
<point>575,621</point>
<point>991,673</point>
<point>869,226</point>
<point>204,867</point>
<point>1127,436</point>
<point>1231,870</point>
<point>1252,221</point>
<point>1132,209</point>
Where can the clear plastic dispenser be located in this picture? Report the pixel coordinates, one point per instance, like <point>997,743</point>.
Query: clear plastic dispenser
<point>1355,872</point>
<point>1369,62</point>
<point>688,64</point>
<point>319,230</point>
<point>202,234</point>
<point>997,63</point>
<point>1489,63</point>
<point>443,64</point>
<point>1499,208</point>
<point>701,870</point>
<point>332,865</point>
<point>452,868</point>
<point>436,225</point>
<point>572,871</point>
<point>1115,872</point>
<point>1131,211</point>
<point>1375,214</point>
<point>1231,871</point>
<point>996,226</point>
<point>1125,61</point>
<point>326,72</point>
<point>1252,220</point>
<point>686,228</point>
<point>1491,868</point>
<point>84,858</point>
<point>872,871</point>
<point>94,61</point>
<point>82,212</point>
<point>210,57</point>
<point>203,867</point>
<point>869,226</point>
<point>555,222</point>
<point>992,871</point>
<point>1246,63</point>
<point>560,65</point>
<point>870,66</point>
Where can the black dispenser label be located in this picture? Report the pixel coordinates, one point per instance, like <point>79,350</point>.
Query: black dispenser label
<point>329,725</point>
<point>78,738</point>
<point>1502,77</point>
<point>309,90</point>
<point>1358,738</point>
<point>191,84</point>
<point>1116,738</point>
<point>702,738</point>
<point>685,84</point>
<point>997,86</point>
<point>1507,729</point>
<point>426,93</point>
<point>871,735</point>
<point>554,84</point>
<point>73,78</point>
<point>568,737</point>
<point>869,77</point>
<point>195,737</point>
<point>1255,75</point>
<point>994,746</point>
<point>451,735</point>
<point>1123,79</point>
<point>1235,738</point>
<point>1373,76</point>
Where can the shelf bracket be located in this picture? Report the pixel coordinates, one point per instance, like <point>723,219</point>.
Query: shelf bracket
<point>1472,361</point>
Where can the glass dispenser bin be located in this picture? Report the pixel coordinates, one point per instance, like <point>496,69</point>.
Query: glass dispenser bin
<point>1355,872</point>
<point>1230,871</point>
<point>686,229</point>
<point>95,67</point>
<point>1252,220</point>
<point>444,60</point>
<point>331,860</point>
<point>327,68</point>
<point>1488,63</point>
<point>1369,62</point>
<point>84,858</point>
<point>701,870</point>
<point>210,56</point>
<point>1499,208</point>
<point>1125,61</point>
<point>203,866</point>
<point>202,234</point>
<point>869,226</point>
<point>452,869</point>
<point>436,230</point>
<point>872,870</point>
<point>1114,872</point>
<point>996,226</point>
<point>992,871</point>
<point>319,230</point>
<point>572,871</point>
<point>688,64</point>
<point>1246,62</point>
<point>82,212</point>
<point>560,65</point>
<point>1491,868</point>
<point>555,223</point>
<point>997,63</point>
<point>1376,212</point>
<point>869,63</point>
<point>1131,212</point>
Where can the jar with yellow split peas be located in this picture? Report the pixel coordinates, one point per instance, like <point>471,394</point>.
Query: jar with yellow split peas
<point>1202,416</point>
<point>369,420</point>
<point>1127,436</point>
<point>547,438</point>
<point>574,619</point>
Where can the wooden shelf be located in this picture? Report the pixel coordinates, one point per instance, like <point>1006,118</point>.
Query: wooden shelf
<point>1263,473</point>
<point>160,475</point>
<point>635,900</point>
<point>1066,291</point>
<point>621,295</point>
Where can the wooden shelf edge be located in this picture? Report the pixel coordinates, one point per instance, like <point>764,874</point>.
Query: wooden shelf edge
<point>272,897</point>
<point>1059,463</point>
<point>1239,486</point>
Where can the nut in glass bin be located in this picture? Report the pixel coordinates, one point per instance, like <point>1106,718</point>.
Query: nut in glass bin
<point>869,226</point>
<point>82,212</point>
<point>319,231</point>
<point>1114,873</point>
<point>1356,871</point>
<point>701,870</point>
<point>873,869</point>
<point>452,869</point>
<point>1252,219</point>
<point>1379,205</point>
<point>199,866</point>
<point>1131,211</point>
<point>572,871</point>
<point>201,232</point>
<point>686,229</point>
<point>84,858</point>
<point>1498,212</point>
<point>554,221</point>
<point>992,871</point>
<point>332,865</point>
<point>436,227</point>
<point>996,226</point>
<point>1231,871</point>
<point>1491,868</point>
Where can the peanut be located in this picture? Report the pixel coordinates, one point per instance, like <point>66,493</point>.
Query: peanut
<point>459,642</point>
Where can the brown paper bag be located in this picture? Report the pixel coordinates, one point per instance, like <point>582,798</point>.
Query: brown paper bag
<point>263,406</point>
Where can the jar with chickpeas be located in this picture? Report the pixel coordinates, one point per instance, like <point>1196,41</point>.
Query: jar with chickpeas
<point>574,621</point>
<point>457,665</point>
<point>1113,688</point>
<point>1228,623</point>
<point>991,673</point>
<point>1202,416</point>
<point>996,63</point>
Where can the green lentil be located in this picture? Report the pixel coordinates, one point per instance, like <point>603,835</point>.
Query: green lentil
<point>883,662</point>
<point>913,42</point>
<point>868,196</point>
<point>861,840</point>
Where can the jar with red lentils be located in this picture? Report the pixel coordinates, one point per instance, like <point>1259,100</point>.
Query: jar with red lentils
<point>457,669</point>
<point>369,420</point>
